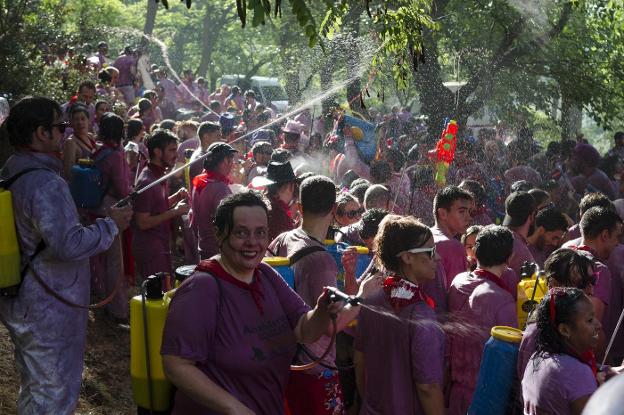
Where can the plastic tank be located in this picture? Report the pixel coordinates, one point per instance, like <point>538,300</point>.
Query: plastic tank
<point>282,266</point>
<point>182,273</point>
<point>497,372</point>
<point>529,294</point>
<point>9,248</point>
<point>336,249</point>
<point>85,184</point>
<point>156,307</point>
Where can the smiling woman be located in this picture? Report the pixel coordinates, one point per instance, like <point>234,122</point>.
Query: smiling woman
<point>232,327</point>
<point>561,375</point>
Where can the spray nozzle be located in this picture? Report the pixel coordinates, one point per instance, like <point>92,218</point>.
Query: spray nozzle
<point>336,295</point>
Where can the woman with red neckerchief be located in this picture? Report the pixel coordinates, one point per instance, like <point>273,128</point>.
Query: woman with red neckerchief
<point>399,360</point>
<point>479,300</point>
<point>561,375</point>
<point>81,144</point>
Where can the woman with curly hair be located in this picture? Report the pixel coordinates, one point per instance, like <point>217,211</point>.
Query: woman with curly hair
<point>561,375</point>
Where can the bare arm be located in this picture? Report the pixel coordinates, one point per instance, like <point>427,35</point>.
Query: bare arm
<point>69,158</point>
<point>431,398</point>
<point>360,373</point>
<point>145,220</point>
<point>313,324</point>
<point>195,384</point>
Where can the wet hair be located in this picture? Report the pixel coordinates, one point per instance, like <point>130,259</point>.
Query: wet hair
<point>99,104</point>
<point>291,137</point>
<point>358,181</point>
<point>207,127</point>
<point>349,177</point>
<point>475,188</point>
<point>150,94</point>
<point>559,266</point>
<point>520,186</point>
<point>77,109</point>
<point>422,177</point>
<point>159,139</point>
<point>215,105</point>
<point>591,200</point>
<point>551,219</point>
<point>380,171</point>
<point>224,214</point>
<point>86,84</point>
<point>134,128</point>
<point>261,147</point>
<point>359,191</point>
<point>598,219</point>
<point>167,124</point>
<point>144,105</point>
<point>549,341</point>
<point>342,201</point>
<point>317,195</point>
<point>395,158</point>
<point>618,136</point>
<point>376,195</point>
<point>494,245</point>
<point>28,114</point>
<point>111,128</point>
<point>250,93</point>
<point>413,155</point>
<point>609,165</point>
<point>474,229</point>
<point>370,222</point>
<point>445,198</point>
<point>397,234</point>
<point>280,155</point>
<point>539,195</point>
<point>105,76</point>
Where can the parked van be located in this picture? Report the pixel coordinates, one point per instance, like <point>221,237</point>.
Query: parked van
<point>268,90</point>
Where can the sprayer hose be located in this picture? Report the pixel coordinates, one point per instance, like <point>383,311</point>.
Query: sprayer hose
<point>299,368</point>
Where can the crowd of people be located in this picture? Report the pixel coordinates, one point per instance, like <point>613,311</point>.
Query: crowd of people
<point>259,186</point>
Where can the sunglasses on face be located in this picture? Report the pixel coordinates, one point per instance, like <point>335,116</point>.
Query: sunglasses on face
<point>353,213</point>
<point>431,251</point>
<point>62,126</point>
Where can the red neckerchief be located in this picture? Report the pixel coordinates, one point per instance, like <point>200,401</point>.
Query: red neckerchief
<point>90,145</point>
<point>493,278</point>
<point>213,267</point>
<point>402,292</point>
<point>282,205</point>
<point>586,249</point>
<point>200,181</point>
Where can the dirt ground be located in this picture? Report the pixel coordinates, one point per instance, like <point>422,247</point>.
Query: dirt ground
<point>106,378</point>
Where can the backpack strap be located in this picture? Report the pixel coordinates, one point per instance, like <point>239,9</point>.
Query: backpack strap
<point>5,184</point>
<point>304,252</point>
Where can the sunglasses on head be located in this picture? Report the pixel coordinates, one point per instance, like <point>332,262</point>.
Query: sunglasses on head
<point>431,251</point>
<point>353,213</point>
<point>62,126</point>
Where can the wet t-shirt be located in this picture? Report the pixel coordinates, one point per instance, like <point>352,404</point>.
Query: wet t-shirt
<point>398,355</point>
<point>154,201</point>
<point>520,253</point>
<point>312,273</point>
<point>616,267</point>
<point>244,351</point>
<point>550,386</point>
<point>527,348</point>
<point>204,204</point>
<point>451,252</point>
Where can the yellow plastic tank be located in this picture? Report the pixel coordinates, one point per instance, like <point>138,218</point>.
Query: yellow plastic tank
<point>156,307</point>
<point>525,293</point>
<point>9,248</point>
<point>282,266</point>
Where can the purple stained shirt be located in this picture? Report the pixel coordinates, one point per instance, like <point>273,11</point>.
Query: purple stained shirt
<point>312,273</point>
<point>520,253</point>
<point>511,280</point>
<point>115,174</point>
<point>479,304</point>
<point>245,352</point>
<point>597,181</point>
<point>523,173</point>
<point>188,144</point>
<point>527,347</point>
<point>539,255</point>
<point>124,65</point>
<point>204,206</point>
<point>550,386</point>
<point>451,252</point>
<point>170,89</point>
<point>151,246</point>
<point>616,267</point>
<point>350,234</point>
<point>398,356</point>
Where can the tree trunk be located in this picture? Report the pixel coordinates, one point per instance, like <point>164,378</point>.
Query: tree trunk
<point>571,118</point>
<point>150,17</point>
<point>352,57</point>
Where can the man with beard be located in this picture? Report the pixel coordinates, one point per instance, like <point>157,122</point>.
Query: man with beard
<point>520,219</point>
<point>550,227</point>
<point>154,208</point>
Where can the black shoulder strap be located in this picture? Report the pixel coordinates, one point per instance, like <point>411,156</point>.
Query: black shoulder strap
<point>5,184</point>
<point>304,252</point>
